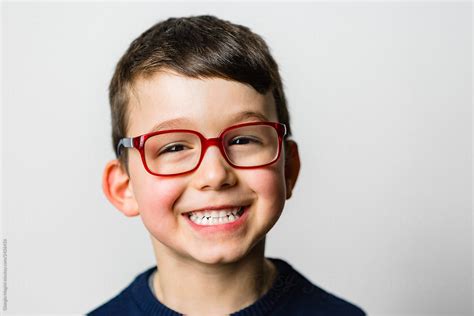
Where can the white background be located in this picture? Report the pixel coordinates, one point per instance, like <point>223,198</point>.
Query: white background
<point>380,99</point>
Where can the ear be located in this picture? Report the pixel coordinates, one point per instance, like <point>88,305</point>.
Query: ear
<point>118,189</point>
<point>292,166</point>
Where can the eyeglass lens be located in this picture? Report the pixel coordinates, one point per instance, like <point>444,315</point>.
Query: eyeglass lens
<point>177,152</point>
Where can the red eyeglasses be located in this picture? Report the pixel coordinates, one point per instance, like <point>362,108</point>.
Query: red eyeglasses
<point>179,151</point>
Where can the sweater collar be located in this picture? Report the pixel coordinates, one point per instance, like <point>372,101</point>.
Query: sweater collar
<point>284,282</point>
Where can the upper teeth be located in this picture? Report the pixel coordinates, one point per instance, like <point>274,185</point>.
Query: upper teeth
<point>215,214</point>
<point>215,217</point>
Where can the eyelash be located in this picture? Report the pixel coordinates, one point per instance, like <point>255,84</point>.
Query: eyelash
<point>250,139</point>
<point>167,149</point>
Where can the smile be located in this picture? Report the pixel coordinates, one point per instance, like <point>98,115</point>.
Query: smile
<point>211,217</point>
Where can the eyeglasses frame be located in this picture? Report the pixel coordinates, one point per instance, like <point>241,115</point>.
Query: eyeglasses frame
<point>138,143</point>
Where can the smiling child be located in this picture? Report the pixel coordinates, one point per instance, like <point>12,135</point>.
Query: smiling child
<point>204,156</point>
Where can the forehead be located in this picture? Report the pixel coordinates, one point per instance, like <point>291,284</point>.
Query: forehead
<point>168,100</point>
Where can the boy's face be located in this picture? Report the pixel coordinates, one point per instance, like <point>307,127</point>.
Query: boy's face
<point>207,106</point>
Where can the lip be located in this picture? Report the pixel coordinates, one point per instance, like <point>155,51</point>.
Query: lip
<point>224,228</point>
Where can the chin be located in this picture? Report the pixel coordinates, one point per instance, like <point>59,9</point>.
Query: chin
<point>227,253</point>
<point>218,256</point>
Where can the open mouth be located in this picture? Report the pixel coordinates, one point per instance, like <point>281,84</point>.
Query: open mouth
<point>216,217</point>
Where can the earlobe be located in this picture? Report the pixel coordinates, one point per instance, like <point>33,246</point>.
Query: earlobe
<point>117,188</point>
<point>292,166</point>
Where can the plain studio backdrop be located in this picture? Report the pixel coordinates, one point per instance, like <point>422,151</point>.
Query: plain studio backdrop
<point>380,101</point>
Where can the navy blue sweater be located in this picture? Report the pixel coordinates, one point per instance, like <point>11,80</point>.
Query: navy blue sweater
<point>290,294</point>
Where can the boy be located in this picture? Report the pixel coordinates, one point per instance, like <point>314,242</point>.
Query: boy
<point>200,126</point>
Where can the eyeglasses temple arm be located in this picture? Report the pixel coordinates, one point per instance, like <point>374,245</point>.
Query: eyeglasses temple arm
<point>126,142</point>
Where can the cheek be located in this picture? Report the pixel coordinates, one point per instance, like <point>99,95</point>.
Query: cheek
<point>269,185</point>
<point>159,195</point>
<point>153,194</point>
<point>156,197</point>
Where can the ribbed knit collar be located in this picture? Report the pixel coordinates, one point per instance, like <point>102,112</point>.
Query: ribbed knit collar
<point>284,282</point>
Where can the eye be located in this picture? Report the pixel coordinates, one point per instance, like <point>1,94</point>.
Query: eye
<point>244,140</point>
<point>172,148</point>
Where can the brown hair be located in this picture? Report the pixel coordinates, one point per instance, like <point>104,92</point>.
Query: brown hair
<point>198,47</point>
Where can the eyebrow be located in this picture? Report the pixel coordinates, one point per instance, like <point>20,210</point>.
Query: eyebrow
<point>183,121</point>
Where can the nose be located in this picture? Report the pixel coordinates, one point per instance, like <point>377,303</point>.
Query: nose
<point>214,173</point>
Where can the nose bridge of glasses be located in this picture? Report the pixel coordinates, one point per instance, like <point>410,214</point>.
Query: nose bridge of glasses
<point>216,141</point>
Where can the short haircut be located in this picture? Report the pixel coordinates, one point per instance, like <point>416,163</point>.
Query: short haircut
<point>198,47</point>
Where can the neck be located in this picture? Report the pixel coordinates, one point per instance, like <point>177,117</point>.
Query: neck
<point>195,288</point>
